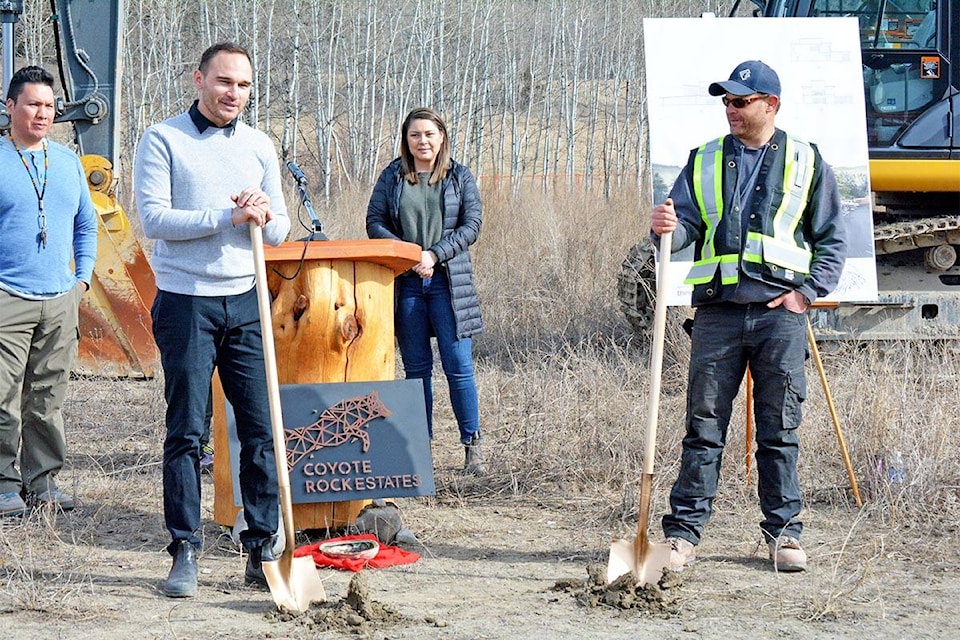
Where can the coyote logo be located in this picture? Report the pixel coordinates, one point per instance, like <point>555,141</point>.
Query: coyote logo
<point>345,421</point>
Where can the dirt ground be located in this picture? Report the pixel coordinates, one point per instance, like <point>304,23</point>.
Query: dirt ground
<point>490,565</point>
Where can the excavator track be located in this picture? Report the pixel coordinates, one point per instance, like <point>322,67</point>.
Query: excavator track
<point>937,236</point>
<point>905,235</point>
<point>636,286</point>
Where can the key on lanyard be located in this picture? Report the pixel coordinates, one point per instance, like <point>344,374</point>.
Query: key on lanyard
<point>43,227</point>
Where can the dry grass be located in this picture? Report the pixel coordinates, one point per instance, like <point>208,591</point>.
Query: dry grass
<point>563,379</point>
<point>563,387</point>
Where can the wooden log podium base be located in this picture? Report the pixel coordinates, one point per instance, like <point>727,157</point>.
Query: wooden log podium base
<point>332,322</point>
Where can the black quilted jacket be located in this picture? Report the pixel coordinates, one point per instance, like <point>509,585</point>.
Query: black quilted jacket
<point>462,217</point>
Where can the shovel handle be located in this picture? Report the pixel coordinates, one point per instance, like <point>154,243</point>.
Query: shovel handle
<point>273,387</point>
<point>656,352</point>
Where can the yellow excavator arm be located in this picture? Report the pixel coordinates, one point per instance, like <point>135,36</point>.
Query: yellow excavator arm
<point>115,324</point>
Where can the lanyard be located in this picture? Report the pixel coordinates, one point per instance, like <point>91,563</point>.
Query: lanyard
<point>39,190</point>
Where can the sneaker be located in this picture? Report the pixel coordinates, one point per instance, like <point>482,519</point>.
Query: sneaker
<point>787,555</point>
<point>473,458</point>
<point>206,459</point>
<point>52,498</point>
<point>682,553</point>
<point>11,504</point>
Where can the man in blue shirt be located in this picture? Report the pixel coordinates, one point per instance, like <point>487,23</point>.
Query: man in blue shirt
<point>47,222</point>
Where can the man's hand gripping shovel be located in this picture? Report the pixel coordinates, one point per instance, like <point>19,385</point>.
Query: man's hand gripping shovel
<point>647,560</point>
<point>294,582</point>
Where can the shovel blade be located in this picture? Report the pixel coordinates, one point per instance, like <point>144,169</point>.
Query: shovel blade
<point>624,559</point>
<point>294,583</point>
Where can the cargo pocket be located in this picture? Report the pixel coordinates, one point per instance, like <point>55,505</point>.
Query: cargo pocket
<point>794,393</point>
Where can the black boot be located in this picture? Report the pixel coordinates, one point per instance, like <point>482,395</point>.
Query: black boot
<point>253,574</point>
<point>182,581</point>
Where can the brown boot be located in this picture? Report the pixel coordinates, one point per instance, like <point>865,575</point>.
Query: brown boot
<point>787,554</point>
<point>682,553</point>
<point>473,460</point>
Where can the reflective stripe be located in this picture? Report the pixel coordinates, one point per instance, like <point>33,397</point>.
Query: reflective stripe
<point>730,269</point>
<point>708,192</point>
<point>753,247</point>
<point>781,248</point>
<point>703,271</point>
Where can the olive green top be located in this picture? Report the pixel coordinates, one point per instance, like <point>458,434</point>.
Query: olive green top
<point>421,216</point>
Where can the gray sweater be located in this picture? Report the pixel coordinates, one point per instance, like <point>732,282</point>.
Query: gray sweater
<point>183,181</point>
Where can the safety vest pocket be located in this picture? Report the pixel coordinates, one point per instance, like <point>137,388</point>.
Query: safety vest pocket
<point>783,261</point>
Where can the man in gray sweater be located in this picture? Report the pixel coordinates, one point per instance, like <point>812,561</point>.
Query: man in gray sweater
<point>200,178</point>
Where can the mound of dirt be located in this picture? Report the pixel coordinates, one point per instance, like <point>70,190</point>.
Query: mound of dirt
<point>356,613</point>
<point>661,599</point>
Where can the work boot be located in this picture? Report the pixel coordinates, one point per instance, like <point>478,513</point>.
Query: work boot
<point>787,555</point>
<point>253,574</point>
<point>682,553</point>
<point>473,460</point>
<point>182,581</point>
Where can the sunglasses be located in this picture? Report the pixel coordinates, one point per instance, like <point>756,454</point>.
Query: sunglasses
<point>740,103</point>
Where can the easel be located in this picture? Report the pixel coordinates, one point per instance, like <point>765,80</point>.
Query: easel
<point>833,412</point>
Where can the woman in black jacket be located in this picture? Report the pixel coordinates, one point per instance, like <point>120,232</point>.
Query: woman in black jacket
<point>426,198</point>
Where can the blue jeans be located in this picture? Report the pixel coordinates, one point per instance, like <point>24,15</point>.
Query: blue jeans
<point>194,335</point>
<point>726,338</point>
<point>424,309</point>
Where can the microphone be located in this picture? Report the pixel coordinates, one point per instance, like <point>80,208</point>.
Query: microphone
<point>301,180</point>
<point>297,173</point>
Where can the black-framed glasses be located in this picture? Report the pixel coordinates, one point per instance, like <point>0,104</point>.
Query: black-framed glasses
<point>740,103</point>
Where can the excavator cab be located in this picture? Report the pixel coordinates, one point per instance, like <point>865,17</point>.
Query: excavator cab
<point>906,67</point>
<point>910,52</point>
<point>911,69</point>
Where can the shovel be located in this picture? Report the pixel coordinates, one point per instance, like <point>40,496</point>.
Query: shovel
<point>294,582</point>
<point>645,559</point>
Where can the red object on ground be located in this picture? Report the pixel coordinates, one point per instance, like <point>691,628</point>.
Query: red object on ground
<point>386,557</point>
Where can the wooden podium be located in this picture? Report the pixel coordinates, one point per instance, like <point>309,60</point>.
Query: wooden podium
<point>332,322</point>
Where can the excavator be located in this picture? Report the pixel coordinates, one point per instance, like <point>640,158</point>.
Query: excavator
<point>910,54</point>
<point>115,325</point>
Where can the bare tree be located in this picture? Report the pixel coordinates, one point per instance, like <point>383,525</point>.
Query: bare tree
<point>548,92</point>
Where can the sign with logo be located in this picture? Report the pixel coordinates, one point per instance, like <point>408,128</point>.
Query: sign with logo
<point>351,441</point>
<point>930,67</point>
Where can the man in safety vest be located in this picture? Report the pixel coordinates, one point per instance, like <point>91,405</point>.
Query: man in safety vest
<point>762,210</point>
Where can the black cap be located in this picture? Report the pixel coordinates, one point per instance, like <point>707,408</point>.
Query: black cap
<point>752,76</point>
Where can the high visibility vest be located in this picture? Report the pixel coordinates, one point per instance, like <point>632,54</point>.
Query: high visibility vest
<point>778,246</point>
